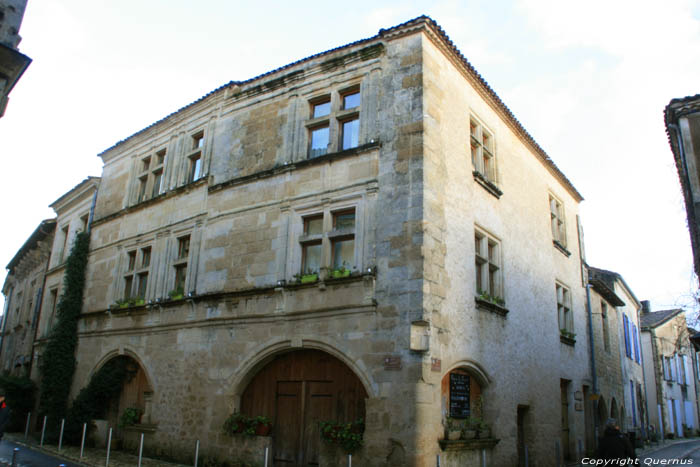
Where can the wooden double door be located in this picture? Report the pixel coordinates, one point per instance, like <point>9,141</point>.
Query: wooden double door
<point>298,390</point>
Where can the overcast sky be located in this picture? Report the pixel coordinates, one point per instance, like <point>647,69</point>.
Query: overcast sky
<point>589,80</point>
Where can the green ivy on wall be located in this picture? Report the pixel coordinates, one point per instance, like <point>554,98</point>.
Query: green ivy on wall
<point>58,362</point>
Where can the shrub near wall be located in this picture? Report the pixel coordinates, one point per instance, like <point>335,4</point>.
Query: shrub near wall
<point>20,393</point>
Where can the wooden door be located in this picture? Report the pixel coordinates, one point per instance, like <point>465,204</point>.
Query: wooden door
<point>288,423</point>
<point>565,420</point>
<point>298,390</point>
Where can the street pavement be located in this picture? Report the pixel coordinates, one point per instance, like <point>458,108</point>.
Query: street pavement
<point>26,457</point>
<point>687,451</point>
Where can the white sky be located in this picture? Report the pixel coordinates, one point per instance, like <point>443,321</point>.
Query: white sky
<point>589,80</point>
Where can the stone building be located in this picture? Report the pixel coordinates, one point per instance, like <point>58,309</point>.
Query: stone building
<point>72,216</point>
<point>23,291</point>
<point>12,61</point>
<point>669,372</point>
<point>367,233</point>
<point>618,352</point>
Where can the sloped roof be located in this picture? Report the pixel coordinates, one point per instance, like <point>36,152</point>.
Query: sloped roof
<point>83,184</point>
<point>676,109</point>
<point>45,228</point>
<point>602,279</point>
<point>407,27</point>
<point>657,318</point>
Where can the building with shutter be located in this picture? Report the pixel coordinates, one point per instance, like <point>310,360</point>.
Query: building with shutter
<point>669,373</point>
<point>618,352</point>
<point>364,234</point>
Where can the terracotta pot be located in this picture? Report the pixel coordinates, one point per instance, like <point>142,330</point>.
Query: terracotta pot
<point>454,435</point>
<point>262,429</point>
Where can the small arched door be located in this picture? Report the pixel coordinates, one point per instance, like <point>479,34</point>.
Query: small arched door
<point>297,390</point>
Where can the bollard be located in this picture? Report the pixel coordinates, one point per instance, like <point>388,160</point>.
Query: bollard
<point>196,453</point>
<point>349,460</point>
<point>266,453</point>
<point>109,445</point>
<point>527,458</point>
<point>60,437</point>
<point>14,457</point>
<point>140,449</point>
<point>43,430</point>
<point>82,443</point>
<point>26,429</point>
<point>438,460</point>
<point>483,458</point>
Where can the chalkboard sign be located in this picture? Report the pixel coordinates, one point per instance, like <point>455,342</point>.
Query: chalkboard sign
<point>459,395</point>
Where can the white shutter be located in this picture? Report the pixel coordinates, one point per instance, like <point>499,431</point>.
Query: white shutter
<point>688,369</point>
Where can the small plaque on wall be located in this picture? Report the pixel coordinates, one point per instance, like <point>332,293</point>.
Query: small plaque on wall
<point>392,362</point>
<point>578,406</point>
<point>436,365</point>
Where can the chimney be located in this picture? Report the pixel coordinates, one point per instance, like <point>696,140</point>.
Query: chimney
<point>646,306</point>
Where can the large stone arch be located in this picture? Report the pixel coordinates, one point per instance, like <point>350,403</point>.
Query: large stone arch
<point>137,392</point>
<point>124,351</point>
<point>298,388</point>
<point>264,353</point>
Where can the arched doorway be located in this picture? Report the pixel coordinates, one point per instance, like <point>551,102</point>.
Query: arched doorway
<point>135,392</point>
<point>297,390</point>
<point>602,414</point>
<point>614,412</point>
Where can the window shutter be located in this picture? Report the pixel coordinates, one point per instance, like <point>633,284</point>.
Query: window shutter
<point>687,369</point>
<point>625,325</point>
<point>634,411</point>
<point>636,343</point>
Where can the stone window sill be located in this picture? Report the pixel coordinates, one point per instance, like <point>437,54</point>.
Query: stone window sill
<point>492,307</point>
<point>567,340</point>
<point>468,444</point>
<point>559,246</point>
<point>487,184</point>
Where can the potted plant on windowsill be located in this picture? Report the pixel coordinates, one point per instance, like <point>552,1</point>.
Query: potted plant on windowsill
<point>309,276</point>
<point>176,294</point>
<point>453,429</point>
<point>342,271</point>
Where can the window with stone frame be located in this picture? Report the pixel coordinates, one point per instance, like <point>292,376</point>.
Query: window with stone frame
<point>63,252</point>
<point>482,150</point>
<point>180,264</point>
<point>150,176</point>
<point>487,265</point>
<point>334,122</point>
<point>328,241</point>
<point>606,325</point>
<point>564,312</point>
<point>556,213</point>
<point>138,263</point>
<point>195,158</point>
<point>53,302</point>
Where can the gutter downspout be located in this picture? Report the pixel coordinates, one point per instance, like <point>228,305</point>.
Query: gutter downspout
<point>645,419</point>
<point>594,376</point>
<point>659,389</point>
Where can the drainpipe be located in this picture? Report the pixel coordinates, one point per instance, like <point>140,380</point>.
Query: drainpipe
<point>645,419</point>
<point>594,376</point>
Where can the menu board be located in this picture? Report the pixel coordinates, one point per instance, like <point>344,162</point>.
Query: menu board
<point>459,395</point>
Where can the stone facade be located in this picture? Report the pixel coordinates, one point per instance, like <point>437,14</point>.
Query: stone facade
<point>670,376</point>
<point>12,62</point>
<point>23,291</point>
<point>72,216</point>
<point>439,236</point>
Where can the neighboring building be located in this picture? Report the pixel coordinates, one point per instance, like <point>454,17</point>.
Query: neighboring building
<point>12,62</point>
<point>72,216</point>
<point>390,157</point>
<point>618,351</point>
<point>669,372</point>
<point>23,291</point>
